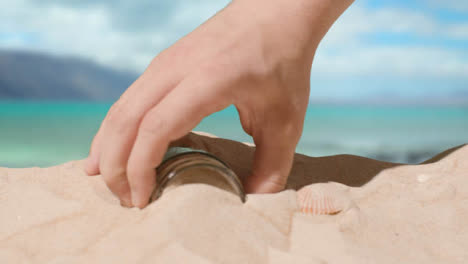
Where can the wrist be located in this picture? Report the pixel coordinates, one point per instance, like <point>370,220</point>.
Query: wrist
<point>298,24</point>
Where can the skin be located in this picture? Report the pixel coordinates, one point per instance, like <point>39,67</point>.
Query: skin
<point>253,54</point>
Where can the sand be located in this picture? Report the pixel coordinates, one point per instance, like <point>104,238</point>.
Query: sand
<point>397,214</point>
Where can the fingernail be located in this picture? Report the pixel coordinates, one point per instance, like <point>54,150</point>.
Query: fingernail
<point>126,199</point>
<point>126,203</point>
<point>137,200</point>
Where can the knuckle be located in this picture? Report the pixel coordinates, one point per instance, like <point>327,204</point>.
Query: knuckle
<point>288,128</point>
<point>156,64</point>
<point>211,73</point>
<point>166,59</point>
<point>114,112</point>
<point>288,122</point>
<point>292,129</point>
<point>153,125</point>
<point>121,117</point>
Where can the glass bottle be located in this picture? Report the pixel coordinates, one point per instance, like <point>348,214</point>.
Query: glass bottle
<point>182,166</point>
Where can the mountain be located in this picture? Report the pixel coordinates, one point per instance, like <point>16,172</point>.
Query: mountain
<point>28,75</point>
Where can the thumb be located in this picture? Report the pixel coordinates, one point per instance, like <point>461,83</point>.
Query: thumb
<point>272,163</point>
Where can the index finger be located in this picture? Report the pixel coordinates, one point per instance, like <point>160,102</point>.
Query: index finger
<point>178,113</point>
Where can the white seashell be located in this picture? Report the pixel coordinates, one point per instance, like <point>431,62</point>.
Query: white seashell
<point>323,199</point>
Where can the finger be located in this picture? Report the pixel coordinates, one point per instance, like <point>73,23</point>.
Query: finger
<point>179,112</point>
<point>92,161</point>
<point>272,162</point>
<point>120,129</point>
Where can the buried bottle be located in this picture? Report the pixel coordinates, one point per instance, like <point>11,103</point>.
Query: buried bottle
<point>182,166</point>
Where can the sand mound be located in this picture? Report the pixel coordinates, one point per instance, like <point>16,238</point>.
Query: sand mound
<point>403,214</point>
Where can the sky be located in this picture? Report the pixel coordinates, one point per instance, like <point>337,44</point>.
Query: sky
<point>379,50</point>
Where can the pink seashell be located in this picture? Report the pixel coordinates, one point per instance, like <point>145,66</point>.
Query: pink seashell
<point>323,199</point>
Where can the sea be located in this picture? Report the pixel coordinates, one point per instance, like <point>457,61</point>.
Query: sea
<point>49,133</point>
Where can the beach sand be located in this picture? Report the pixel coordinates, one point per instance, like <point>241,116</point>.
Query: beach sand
<point>393,213</point>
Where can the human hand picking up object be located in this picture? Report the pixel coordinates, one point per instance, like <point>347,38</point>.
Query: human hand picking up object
<point>255,55</point>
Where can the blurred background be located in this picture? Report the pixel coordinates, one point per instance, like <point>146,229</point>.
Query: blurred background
<point>389,81</point>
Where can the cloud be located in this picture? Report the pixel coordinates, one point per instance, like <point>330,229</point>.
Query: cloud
<point>123,34</point>
<point>459,31</point>
<point>350,47</point>
<point>359,21</point>
<point>128,34</point>
<point>16,40</point>
<point>404,61</point>
<point>457,5</point>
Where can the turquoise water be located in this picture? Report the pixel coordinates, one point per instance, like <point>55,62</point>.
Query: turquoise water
<point>44,134</point>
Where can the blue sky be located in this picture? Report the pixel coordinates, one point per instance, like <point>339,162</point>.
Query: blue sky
<point>378,50</point>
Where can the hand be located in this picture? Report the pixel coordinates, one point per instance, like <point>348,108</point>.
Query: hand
<point>255,55</point>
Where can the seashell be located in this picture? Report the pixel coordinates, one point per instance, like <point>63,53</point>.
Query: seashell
<point>323,199</point>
